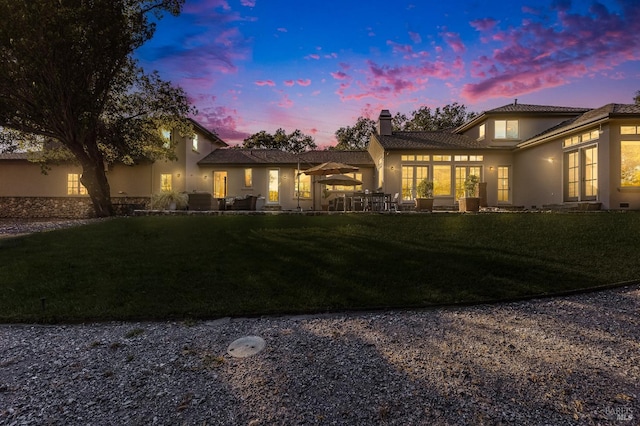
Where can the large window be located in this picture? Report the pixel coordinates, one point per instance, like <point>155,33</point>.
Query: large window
<point>590,160</point>
<point>441,180</point>
<point>630,163</point>
<point>573,175</point>
<point>248,178</point>
<point>165,182</point>
<point>194,143</point>
<point>504,184</point>
<point>411,177</point>
<point>274,186</point>
<point>461,175</point>
<point>481,132</point>
<point>74,186</point>
<point>506,129</point>
<point>303,185</point>
<point>219,184</point>
<point>581,174</point>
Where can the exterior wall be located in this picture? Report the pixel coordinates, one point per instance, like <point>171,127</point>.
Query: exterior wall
<point>491,159</point>
<point>24,178</point>
<point>63,207</point>
<point>538,175</point>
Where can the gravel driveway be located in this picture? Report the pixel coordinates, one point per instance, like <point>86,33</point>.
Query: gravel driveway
<point>571,360</point>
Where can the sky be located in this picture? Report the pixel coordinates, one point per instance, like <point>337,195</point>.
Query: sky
<point>316,66</point>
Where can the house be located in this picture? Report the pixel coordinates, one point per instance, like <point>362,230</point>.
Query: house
<point>527,156</point>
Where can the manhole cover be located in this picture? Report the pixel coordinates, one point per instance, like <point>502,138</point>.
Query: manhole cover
<point>246,346</point>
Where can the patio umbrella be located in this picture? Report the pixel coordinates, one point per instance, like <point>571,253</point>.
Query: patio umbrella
<point>330,168</point>
<point>340,180</point>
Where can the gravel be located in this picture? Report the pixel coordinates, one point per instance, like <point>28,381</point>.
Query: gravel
<point>568,360</point>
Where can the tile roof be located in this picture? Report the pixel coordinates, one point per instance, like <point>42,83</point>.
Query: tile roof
<point>536,108</point>
<point>429,140</point>
<point>274,156</point>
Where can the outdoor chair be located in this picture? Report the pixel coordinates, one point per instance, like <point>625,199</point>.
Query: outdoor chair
<point>392,203</point>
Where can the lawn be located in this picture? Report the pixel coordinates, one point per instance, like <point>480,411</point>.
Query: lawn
<point>182,267</point>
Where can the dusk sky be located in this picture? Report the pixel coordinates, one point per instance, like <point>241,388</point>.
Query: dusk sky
<point>251,65</point>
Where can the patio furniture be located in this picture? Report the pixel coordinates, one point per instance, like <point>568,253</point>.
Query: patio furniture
<point>391,204</point>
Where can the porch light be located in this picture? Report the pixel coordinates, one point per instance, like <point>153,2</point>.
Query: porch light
<point>550,160</point>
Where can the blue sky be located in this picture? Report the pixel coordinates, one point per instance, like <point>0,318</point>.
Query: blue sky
<point>251,65</point>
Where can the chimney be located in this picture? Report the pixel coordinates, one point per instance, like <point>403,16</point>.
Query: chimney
<point>384,123</point>
<point>515,101</point>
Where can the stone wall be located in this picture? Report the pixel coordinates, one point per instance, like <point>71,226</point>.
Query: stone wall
<point>64,207</point>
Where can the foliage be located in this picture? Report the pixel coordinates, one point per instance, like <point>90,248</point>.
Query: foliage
<point>164,199</point>
<point>424,189</point>
<point>68,81</point>
<point>295,141</point>
<point>471,185</point>
<point>448,117</point>
<point>356,137</point>
<point>298,263</point>
<point>636,98</point>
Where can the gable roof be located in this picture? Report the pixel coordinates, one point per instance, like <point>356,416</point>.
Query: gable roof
<point>428,140</point>
<point>589,118</point>
<point>523,109</point>
<point>209,134</point>
<point>241,156</point>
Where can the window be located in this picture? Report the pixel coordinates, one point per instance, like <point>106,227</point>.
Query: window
<point>573,177</point>
<point>411,176</point>
<point>415,158</point>
<point>248,178</point>
<point>165,182</point>
<point>581,174</point>
<point>194,143</point>
<point>441,180</point>
<point>481,130</point>
<point>461,175</point>
<point>590,161</point>
<point>630,130</point>
<point>74,186</point>
<point>469,157</point>
<point>303,185</point>
<point>506,129</point>
<point>504,186</point>
<point>441,158</point>
<point>219,184</point>
<point>585,137</point>
<point>274,186</point>
<point>630,163</point>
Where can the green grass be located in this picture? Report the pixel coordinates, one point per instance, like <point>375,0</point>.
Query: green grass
<point>204,267</point>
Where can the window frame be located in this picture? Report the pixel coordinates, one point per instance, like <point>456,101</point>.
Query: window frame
<point>506,129</point>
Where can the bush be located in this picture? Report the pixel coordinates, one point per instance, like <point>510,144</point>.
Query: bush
<point>165,199</point>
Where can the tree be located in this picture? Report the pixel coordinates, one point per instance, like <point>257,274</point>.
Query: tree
<point>449,117</point>
<point>68,78</point>
<point>356,137</point>
<point>636,98</point>
<point>295,141</point>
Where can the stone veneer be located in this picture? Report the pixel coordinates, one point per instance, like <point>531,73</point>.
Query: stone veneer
<point>64,207</point>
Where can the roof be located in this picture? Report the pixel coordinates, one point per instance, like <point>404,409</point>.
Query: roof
<point>526,109</point>
<point>586,119</point>
<point>429,140</point>
<point>209,134</point>
<point>13,156</point>
<point>237,156</point>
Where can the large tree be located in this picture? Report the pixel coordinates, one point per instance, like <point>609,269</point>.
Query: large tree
<point>295,141</point>
<point>68,77</point>
<point>424,119</point>
<point>356,137</point>
<point>636,98</point>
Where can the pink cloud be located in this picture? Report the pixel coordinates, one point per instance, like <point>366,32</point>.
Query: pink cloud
<point>289,83</point>
<point>400,48</point>
<point>415,37</point>
<point>539,55</point>
<point>224,121</point>
<point>265,83</point>
<point>454,41</point>
<point>313,56</point>
<point>285,101</point>
<point>303,83</point>
<point>486,24</point>
<point>339,75</point>
<point>248,3</point>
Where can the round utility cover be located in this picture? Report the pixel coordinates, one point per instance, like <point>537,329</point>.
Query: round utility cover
<point>246,346</point>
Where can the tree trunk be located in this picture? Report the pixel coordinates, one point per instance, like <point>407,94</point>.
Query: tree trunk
<point>95,180</point>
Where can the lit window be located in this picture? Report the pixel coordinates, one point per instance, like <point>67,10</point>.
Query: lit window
<point>194,143</point>
<point>74,186</point>
<point>630,163</point>
<point>629,130</point>
<point>504,190</point>
<point>441,158</point>
<point>506,129</point>
<point>461,158</point>
<point>411,177</point>
<point>441,180</point>
<point>411,158</point>
<point>482,130</point>
<point>248,178</point>
<point>303,185</point>
<point>165,182</point>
